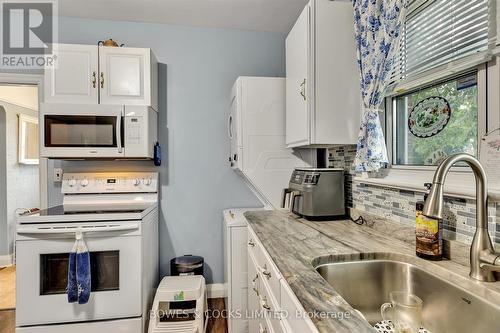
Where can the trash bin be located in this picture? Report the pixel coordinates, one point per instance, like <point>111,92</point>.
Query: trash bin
<point>187,265</point>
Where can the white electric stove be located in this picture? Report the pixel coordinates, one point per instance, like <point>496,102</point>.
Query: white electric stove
<point>118,216</point>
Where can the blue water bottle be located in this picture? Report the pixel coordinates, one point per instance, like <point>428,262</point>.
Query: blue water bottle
<point>157,154</point>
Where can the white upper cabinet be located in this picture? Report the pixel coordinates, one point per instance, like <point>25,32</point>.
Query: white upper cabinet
<point>105,75</point>
<point>73,79</point>
<point>297,69</point>
<point>126,76</point>
<point>323,101</point>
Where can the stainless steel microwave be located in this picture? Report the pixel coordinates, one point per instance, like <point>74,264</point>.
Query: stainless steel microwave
<point>97,131</point>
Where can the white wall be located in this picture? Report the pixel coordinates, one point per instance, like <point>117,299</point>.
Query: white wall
<point>198,67</point>
<point>22,184</point>
<point>21,95</point>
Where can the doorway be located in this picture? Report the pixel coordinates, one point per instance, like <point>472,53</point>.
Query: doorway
<point>19,112</point>
<point>23,175</point>
<point>19,161</point>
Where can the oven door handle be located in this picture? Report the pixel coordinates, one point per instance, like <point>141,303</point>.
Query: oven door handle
<point>74,230</point>
<point>119,133</point>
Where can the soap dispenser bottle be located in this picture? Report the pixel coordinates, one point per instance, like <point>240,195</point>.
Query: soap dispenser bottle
<point>429,233</point>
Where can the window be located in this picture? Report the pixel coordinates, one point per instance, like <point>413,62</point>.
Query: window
<point>28,140</point>
<point>437,107</point>
<point>460,131</point>
<point>437,32</point>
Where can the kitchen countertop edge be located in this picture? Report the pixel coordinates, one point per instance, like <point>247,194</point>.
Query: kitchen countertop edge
<point>296,244</point>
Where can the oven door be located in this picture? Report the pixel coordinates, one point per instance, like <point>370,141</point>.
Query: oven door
<point>42,270</point>
<point>82,131</point>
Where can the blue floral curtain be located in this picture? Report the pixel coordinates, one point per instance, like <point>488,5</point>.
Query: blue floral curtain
<point>377,25</point>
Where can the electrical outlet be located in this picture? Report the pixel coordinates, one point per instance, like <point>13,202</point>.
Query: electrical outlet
<point>58,174</point>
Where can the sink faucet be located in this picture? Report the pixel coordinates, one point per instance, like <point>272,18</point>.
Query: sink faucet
<point>484,261</point>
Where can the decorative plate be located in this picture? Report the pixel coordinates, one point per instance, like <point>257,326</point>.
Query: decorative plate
<point>429,117</point>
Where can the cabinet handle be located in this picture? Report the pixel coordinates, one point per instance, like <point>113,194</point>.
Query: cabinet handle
<point>94,79</point>
<point>303,89</point>
<point>102,80</point>
<point>293,195</point>
<point>251,243</point>
<point>254,284</point>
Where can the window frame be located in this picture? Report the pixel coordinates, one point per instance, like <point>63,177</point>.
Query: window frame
<point>482,117</point>
<point>23,136</point>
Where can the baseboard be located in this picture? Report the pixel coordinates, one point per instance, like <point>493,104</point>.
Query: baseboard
<point>216,290</point>
<point>6,260</point>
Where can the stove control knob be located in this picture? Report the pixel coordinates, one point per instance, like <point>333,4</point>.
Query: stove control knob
<point>147,181</point>
<point>72,182</point>
<point>84,182</point>
<point>136,181</point>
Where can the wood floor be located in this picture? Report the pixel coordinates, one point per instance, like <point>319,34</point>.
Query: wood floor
<point>8,304</point>
<point>218,324</point>
<point>7,299</point>
<point>8,288</point>
<point>7,321</point>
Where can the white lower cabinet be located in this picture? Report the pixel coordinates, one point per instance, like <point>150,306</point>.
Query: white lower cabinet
<point>272,306</point>
<point>254,322</point>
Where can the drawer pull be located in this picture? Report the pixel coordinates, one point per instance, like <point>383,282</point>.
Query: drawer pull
<point>265,272</point>
<point>263,303</point>
<point>251,243</point>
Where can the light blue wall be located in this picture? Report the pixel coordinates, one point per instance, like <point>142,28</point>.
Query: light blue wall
<point>4,243</point>
<point>198,68</point>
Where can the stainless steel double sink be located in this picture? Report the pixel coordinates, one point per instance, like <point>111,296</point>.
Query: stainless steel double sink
<point>366,283</point>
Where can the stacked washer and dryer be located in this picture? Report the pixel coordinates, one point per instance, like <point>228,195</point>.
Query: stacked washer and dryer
<point>258,153</point>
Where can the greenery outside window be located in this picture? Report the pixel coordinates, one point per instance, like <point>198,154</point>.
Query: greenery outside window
<point>460,134</point>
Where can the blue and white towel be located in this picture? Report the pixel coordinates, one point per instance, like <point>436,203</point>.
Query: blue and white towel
<point>79,272</point>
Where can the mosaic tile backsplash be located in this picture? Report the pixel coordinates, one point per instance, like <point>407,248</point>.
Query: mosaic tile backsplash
<point>399,205</point>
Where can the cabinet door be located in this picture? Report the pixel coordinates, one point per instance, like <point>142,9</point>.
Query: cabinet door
<point>73,79</point>
<point>253,296</point>
<point>125,75</point>
<point>337,97</point>
<point>297,85</point>
<point>239,278</point>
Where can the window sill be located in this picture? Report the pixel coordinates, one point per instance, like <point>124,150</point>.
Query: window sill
<point>458,183</point>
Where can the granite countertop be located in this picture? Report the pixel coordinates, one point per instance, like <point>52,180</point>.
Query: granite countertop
<point>296,245</point>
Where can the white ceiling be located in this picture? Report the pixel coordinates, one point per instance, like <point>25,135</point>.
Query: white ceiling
<point>259,15</point>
